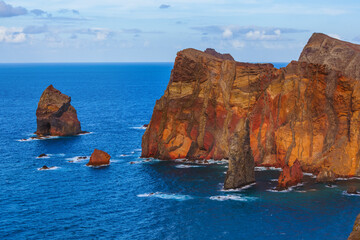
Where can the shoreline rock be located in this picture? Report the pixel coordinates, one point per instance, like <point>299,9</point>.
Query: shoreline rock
<point>42,155</point>
<point>326,176</point>
<point>241,161</point>
<point>355,234</point>
<point>55,115</point>
<point>99,158</point>
<point>290,176</point>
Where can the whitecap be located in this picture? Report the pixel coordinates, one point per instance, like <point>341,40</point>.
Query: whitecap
<point>44,157</point>
<point>238,189</point>
<point>350,194</point>
<point>178,197</point>
<point>349,178</point>
<point>331,186</point>
<point>187,166</point>
<point>139,128</point>
<point>85,133</point>
<point>78,159</point>
<point>275,168</point>
<point>37,138</point>
<point>98,166</point>
<point>261,169</point>
<point>286,190</point>
<point>232,197</point>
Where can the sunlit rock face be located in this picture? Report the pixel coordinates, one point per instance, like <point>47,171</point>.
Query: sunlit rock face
<point>304,111</point>
<point>202,106</point>
<point>55,115</point>
<point>338,55</point>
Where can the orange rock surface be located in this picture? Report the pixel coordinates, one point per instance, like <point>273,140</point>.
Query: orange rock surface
<point>304,111</point>
<point>99,158</point>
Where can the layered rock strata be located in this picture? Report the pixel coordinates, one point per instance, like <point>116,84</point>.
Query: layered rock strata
<point>55,115</point>
<point>305,111</point>
<point>338,55</point>
<point>241,161</point>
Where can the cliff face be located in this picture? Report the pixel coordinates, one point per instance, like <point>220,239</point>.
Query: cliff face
<point>202,106</point>
<point>305,111</point>
<point>55,115</point>
<point>338,55</point>
<point>355,234</point>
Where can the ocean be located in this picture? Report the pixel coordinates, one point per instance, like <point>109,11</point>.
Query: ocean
<point>147,199</point>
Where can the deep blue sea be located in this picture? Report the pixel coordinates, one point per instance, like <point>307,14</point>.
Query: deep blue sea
<point>73,201</point>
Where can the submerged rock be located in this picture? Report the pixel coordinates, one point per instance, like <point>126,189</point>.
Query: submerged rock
<point>355,234</point>
<point>42,155</point>
<point>55,115</point>
<point>99,158</point>
<point>44,168</point>
<point>326,176</point>
<point>241,162</point>
<point>290,176</point>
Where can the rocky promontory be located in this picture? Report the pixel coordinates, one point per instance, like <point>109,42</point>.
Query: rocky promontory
<point>307,111</point>
<point>55,115</point>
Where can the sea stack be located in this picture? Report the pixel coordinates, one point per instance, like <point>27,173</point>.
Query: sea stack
<point>99,158</point>
<point>355,234</point>
<point>290,176</point>
<point>55,115</point>
<point>241,161</point>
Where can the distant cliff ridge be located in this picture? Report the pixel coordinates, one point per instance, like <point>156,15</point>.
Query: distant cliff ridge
<point>309,110</point>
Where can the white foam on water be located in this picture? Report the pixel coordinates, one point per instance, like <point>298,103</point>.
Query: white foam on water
<point>98,166</point>
<point>49,169</point>
<point>331,186</point>
<point>139,127</point>
<point>187,166</point>
<point>137,150</point>
<point>233,197</point>
<point>37,138</point>
<point>86,133</point>
<point>44,157</point>
<point>76,159</point>
<point>122,155</point>
<point>288,189</point>
<point>350,178</point>
<point>350,194</point>
<point>178,197</point>
<point>275,168</point>
<point>261,169</point>
<point>238,189</point>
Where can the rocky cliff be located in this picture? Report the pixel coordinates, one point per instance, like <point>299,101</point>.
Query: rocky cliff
<point>55,115</point>
<point>338,55</point>
<point>304,111</point>
<point>355,234</point>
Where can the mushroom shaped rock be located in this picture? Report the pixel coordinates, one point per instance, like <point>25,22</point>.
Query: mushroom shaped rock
<point>55,115</point>
<point>99,158</point>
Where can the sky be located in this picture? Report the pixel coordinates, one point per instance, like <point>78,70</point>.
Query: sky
<point>154,31</point>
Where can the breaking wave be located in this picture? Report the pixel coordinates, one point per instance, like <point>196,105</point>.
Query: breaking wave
<point>178,197</point>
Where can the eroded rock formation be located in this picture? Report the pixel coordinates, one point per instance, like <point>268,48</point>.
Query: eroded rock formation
<point>241,161</point>
<point>326,176</point>
<point>99,158</point>
<point>305,111</point>
<point>55,115</point>
<point>290,176</point>
<point>355,234</point>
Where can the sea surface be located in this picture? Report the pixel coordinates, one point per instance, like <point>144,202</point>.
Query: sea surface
<point>147,199</point>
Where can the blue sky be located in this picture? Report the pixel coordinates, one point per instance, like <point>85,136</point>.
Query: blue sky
<point>153,31</point>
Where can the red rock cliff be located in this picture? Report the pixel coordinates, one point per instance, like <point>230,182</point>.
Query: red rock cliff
<point>304,111</point>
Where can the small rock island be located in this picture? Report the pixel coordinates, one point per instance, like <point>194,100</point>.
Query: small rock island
<point>55,115</point>
<point>99,158</point>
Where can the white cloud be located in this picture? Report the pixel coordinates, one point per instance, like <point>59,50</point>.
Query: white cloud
<point>263,35</point>
<point>12,35</point>
<point>237,44</point>
<point>227,33</point>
